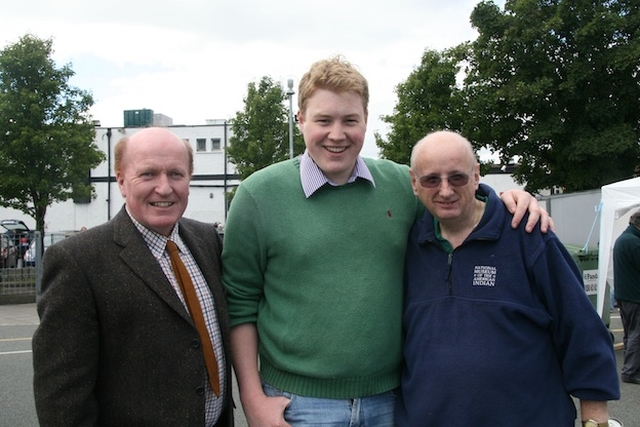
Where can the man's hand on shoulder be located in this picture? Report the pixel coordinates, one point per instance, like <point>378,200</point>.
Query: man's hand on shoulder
<point>518,202</point>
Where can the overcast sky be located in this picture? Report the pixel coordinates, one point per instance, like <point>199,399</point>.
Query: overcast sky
<point>192,60</point>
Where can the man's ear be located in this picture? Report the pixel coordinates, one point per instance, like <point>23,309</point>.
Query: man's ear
<point>120,181</point>
<point>476,175</point>
<point>414,182</point>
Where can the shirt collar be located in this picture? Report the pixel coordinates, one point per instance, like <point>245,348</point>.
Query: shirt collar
<point>313,178</point>
<point>157,242</point>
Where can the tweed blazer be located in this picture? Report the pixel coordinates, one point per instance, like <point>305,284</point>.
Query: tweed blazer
<point>115,346</point>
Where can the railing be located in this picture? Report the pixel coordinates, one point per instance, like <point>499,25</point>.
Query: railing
<point>20,275</point>
<point>18,281</point>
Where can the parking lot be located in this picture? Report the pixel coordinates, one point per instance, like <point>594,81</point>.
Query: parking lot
<point>19,321</point>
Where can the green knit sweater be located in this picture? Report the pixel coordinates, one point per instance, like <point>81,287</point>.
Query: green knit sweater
<point>321,277</point>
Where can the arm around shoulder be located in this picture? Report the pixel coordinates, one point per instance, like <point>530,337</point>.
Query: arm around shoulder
<point>519,202</point>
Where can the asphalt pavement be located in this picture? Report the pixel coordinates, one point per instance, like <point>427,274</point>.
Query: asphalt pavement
<point>17,409</point>
<point>19,321</point>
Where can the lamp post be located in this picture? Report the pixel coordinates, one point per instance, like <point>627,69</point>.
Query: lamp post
<point>290,93</point>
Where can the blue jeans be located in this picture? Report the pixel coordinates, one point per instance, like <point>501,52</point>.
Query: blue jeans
<point>370,411</point>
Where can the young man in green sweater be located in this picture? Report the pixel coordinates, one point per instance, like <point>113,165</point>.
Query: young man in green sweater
<point>313,266</point>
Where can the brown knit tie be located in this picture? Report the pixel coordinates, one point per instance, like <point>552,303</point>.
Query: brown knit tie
<point>189,293</point>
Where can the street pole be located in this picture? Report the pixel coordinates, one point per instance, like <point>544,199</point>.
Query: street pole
<point>290,93</point>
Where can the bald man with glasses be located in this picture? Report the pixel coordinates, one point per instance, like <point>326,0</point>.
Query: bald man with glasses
<point>498,328</point>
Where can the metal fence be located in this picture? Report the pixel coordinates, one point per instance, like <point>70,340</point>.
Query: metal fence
<point>20,268</point>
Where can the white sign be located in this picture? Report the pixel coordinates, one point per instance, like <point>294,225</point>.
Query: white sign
<point>590,278</point>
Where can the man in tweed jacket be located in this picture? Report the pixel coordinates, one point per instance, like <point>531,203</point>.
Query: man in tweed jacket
<point>116,345</point>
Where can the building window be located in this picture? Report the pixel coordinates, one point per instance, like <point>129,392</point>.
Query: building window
<point>215,144</point>
<point>201,144</point>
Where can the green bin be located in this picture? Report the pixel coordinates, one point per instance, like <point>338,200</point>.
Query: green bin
<point>587,261</point>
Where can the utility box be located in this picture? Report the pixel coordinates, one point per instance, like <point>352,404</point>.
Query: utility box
<point>138,118</point>
<point>587,261</point>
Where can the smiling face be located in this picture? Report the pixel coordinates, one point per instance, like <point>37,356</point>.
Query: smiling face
<point>154,177</point>
<point>441,156</point>
<point>333,126</point>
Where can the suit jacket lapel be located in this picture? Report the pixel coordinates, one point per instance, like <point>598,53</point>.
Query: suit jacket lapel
<point>136,254</point>
<point>203,254</point>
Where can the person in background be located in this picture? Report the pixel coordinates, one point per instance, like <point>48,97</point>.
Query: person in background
<point>498,329</point>
<point>117,344</point>
<point>313,265</point>
<point>626,279</point>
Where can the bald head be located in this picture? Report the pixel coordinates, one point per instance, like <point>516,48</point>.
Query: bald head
<point>443,144</point>
<point>148,135</point>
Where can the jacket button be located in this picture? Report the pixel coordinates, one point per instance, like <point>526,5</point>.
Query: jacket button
<point>200,390</point>
<point>195,343</point>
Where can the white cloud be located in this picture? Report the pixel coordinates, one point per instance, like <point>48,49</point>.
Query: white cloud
<point>192,60</point>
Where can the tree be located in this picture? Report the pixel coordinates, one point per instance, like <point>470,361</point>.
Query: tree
<point>46,133</point>
<point>428,100</point>
<point>261,131</point>
<point>556,84</point>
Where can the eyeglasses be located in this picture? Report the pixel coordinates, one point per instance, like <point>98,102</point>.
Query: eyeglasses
<point>433,181</point>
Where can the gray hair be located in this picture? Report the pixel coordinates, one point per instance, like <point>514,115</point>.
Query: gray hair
<point>635,219</point>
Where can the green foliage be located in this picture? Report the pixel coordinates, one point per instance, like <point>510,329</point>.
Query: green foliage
<point>556,84</point>
<point>553,84</point>
<point>46,135</point>
<point>261,131</point>
<point>428,100</point>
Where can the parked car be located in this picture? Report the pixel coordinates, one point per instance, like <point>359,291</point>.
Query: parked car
<point>19,233</point>
<point>17,239</point>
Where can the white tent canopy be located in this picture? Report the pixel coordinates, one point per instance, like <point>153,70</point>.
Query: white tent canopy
<point>619,201</point>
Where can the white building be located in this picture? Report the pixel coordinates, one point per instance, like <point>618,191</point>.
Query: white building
<point>500,178</point>
<point>213,176</point>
